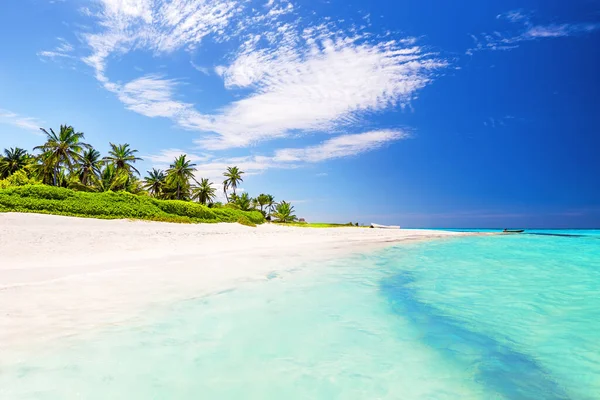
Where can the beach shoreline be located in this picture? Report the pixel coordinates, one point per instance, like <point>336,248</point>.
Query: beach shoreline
<point>62,276</point>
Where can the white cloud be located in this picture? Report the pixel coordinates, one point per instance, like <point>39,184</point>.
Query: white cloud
<point>341,146</point>
<point>299,78</point>
<point>514,16</point>
<point>527,30</point>
<point>27,123</point>
<point>325,83</point>
<point>151,96</point>
<point>204,70</point>
<point>549,31</point>
<point>154,25</point>
<point>167,156</point>
<point>63,50</point>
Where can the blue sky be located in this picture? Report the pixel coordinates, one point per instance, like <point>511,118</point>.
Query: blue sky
<point>478,114</point>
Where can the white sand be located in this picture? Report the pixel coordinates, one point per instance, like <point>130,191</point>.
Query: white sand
<point>63,276</point>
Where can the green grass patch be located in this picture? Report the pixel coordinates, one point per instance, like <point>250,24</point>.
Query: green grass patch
<point>45,199</point>
<point>319,225</point>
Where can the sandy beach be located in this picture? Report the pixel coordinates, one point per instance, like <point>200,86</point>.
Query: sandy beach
<point>63,276</point>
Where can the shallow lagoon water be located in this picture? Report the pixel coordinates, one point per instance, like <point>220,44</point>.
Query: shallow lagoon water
<point>514,317</point>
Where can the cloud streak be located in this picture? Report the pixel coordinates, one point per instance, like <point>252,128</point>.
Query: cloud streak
<point>63,50</point>
<point>14,119</point>
<point>527,30</point>
<point>286,158</point>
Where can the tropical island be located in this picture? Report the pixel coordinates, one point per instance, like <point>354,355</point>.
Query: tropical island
<point>66,176</point>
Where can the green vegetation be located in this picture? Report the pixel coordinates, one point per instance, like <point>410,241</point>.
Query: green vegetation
<point>233,176</point>
<point>243,220</point>
<point>284,212</point>
<point>110,205</point>
<point>69,177</point>
<point>323,225</point>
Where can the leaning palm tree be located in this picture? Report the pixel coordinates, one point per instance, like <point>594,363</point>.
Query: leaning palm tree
<point>123,158</point>
<point>155,182</point>
<point>14,159</point>
<point>179,175</point>
<point>284,212</point>
<point>61,150</point>
<point>233,176</point>
<point>204,193</point>
<point>89,166</point>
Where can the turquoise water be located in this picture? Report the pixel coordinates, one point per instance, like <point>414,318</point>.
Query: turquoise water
<point>503,317</point>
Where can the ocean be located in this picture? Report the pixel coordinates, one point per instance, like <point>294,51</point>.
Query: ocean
<point>488,317</point>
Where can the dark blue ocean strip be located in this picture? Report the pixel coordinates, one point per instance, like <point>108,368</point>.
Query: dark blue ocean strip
<point>503,371</point>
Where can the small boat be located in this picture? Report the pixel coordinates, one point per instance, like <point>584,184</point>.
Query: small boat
<point>385,226</point>
<point>513,231</point>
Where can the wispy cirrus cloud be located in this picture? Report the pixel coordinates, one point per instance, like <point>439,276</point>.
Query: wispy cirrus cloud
<point>28,123</point>
<point>340,146</point>
<point>294,77</point>
<point>167,156</point>
<point>526,30</point>
<point>152,25</point>
<point>63,50</point>
<point>348,145</point>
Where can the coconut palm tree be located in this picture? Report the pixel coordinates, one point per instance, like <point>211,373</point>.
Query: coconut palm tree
<point>204,193</point>
<point>244,202</point>
<point>123,158</point>
<point>89,165</point>
<point>155,182</point>
<point>233,176</point>
<point>269,204</point>
<point>263,200</point>
<point>43,169</point>
<point>13,160</point>
<point>284,212</point>
<point>62,149</point>
<point>110,178</point>
<point>179,175</point>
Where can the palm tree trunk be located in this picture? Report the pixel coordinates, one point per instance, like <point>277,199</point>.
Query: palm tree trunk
<point>225,191</point>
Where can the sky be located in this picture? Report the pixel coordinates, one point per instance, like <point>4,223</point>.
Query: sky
<point>424,114</point>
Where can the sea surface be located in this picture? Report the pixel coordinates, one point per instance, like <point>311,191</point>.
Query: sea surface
<point>494,317</point>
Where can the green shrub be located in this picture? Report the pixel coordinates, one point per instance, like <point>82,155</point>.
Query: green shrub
<point>19,178</point>
<point>228,215</point>
<point>185,208</point>
<point>54,200</point>
<point>243,220</point>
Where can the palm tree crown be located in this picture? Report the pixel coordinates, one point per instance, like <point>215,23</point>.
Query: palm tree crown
<point>14,159</point>
<point>264,200</point>
<point>179,175</point>
<point>204,193</point>
<point>123,157</point>
<point>155,182</point>
<point>89,165</point>
<point>233,176</point>
<point>62,149</point>
<point>269,204</point>
<point>284,212</point>
<point>244,202</point>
